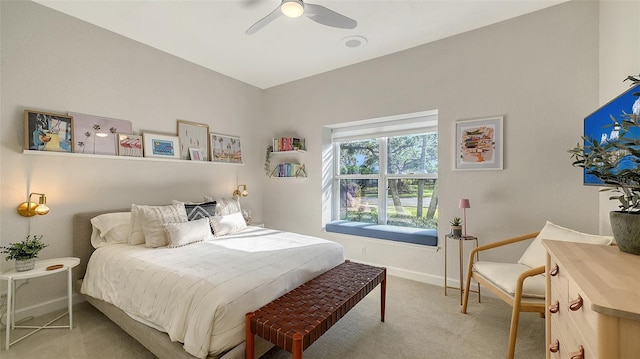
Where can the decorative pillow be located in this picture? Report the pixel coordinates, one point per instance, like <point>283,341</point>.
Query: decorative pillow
<point>225,205</point>
<point>535,255</point>
<point>197,211</point>
<point>227,224</point>
<point>110,228</point>
<point>181,234</point>
<point>154,218</point>
<point>136,236</point>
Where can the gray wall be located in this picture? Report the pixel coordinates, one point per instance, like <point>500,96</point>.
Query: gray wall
<point>539,71</point>
<point>55,63</point>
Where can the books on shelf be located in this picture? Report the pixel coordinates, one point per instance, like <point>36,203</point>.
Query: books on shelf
<point>288,144</point>
<point>289,170</point>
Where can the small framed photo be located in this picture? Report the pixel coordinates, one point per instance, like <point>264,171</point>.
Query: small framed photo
<point>193,135</point>
<point>226,149</point>
<point>97,135</point>
<point>195,154</point>
<point>129,145</point>
<point>45,131</point>
<point>161,146</point>
<point>479,144</point>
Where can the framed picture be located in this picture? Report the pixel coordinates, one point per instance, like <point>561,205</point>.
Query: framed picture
<point>129,145</point>
<point>44,131</point>
<point>161,146</point>
<point>195,154</point>
<point>226,149</point>
<point>97,135</point>
<point>479,144</point>
<point>193,135</point>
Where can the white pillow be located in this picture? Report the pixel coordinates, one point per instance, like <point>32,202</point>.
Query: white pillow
<point>225,206</point>
<point>153,221</point>
<point>535,255</point>
<point>136,236</point>
<point>110,228</point>
<point>230,223</point>
<point>181,234</point>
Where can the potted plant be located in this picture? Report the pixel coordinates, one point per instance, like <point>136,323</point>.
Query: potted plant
<point>25,252</point>
<point>456,227</point>
<point>602,159</point>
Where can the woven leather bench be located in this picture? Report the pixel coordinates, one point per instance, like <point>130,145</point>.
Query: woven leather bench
<point>297,319</point>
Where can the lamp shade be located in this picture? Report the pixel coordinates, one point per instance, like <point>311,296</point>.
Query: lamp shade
<point>464,203</point>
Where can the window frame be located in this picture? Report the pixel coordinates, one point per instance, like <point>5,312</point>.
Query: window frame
<point>382,176</point>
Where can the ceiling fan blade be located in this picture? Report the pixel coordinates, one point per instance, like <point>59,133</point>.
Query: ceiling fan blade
<point>324,16</point>
<point>264,21</point>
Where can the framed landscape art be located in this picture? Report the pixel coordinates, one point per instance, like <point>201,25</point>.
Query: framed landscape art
<point>97,135</point>
<point>44,131</point>
<point>193,135</point>
<point>226,149</point>
<point>161,146</point>
<point>479,144</point>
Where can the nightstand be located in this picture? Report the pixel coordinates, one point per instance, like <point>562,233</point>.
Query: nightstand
<point>40,270</point>
<point>461,240</point>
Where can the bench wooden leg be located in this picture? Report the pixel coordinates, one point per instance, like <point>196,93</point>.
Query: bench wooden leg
<point>383,296</point>
<point>296,350</point>
<point>249,352</point>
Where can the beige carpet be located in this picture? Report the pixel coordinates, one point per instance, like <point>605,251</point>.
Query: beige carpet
<point>420,323</point>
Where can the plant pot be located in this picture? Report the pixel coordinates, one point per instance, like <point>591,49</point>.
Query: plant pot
<point>626,231</point>
<point>23,265</point>
<point>456,231</point>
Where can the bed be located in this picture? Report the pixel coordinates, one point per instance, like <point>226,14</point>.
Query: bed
<point>199,302</point>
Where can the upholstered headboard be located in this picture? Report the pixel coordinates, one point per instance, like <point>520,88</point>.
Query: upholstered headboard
<point>82,247</point>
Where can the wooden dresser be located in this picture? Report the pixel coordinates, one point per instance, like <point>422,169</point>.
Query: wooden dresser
<point>593,302</point>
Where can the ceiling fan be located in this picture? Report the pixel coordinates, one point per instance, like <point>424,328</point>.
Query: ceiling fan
<point>297,8</point>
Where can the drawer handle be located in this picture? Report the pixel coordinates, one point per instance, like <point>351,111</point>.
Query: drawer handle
<point>554,308</point>
<point>577,355</point>
<point>554,271</point>
<point>576,304</point>
<point>555,346</point>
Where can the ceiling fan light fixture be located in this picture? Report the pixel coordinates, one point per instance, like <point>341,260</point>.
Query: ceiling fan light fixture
<point>292,8</point>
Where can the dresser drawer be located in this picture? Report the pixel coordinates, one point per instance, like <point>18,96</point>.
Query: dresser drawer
<point>580,312</point>
<point>559,281</point>
<point>570,343</point>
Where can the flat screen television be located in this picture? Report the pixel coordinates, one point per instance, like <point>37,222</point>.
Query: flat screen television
<point>598,126</point>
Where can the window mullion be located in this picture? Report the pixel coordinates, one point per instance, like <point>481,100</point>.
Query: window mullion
<point>382,181</point>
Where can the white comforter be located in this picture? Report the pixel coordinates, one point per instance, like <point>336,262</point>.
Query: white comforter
<point>200,293</point>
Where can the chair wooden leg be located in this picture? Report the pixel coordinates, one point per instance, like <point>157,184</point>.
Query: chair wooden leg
<point>513,331</point>
<point>465,299</point>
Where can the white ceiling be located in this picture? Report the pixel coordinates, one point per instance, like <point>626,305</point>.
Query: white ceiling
<point>211,33</point>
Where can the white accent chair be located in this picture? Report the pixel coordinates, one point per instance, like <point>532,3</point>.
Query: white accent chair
<point>521,284</point>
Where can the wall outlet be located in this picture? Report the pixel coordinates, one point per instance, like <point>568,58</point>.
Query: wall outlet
<point>364,251</point>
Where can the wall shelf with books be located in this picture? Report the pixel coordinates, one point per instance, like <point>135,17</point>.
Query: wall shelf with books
<point>288,164</point>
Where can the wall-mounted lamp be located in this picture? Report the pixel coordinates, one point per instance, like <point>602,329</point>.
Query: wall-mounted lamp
<point>29,209</point>
<point>237,193</point>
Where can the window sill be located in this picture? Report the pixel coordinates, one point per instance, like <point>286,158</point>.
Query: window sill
<point>427,237</point>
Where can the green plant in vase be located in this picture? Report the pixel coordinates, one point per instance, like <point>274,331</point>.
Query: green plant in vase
<point>603,158</point>
<point>456,227</point>
<point>24,252</point>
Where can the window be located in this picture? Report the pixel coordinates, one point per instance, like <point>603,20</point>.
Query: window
<point>402,193</point>
<point>385,172</point>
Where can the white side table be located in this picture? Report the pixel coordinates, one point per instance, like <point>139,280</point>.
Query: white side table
<point>40,270</point>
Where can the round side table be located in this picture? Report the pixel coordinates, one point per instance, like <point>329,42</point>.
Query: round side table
<point>461,240</point>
